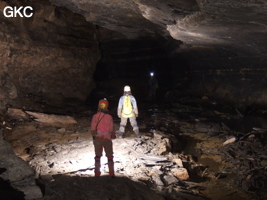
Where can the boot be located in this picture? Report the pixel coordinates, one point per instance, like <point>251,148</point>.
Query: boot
<point>120,134</point>
<point>111,167</point>
<point>137,133</point>
<point>97,173</point>
<point>97,166</point>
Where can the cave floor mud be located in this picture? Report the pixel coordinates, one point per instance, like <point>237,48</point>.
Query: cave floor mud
<point>196,137</point>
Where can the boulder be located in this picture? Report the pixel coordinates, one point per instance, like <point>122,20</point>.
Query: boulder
<point>20,175</point>
<point>180,173</point>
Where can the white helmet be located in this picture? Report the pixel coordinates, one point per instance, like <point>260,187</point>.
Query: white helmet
<point>127,88</point>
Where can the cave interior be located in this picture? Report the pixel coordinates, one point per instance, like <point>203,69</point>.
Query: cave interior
<point>207,55</point>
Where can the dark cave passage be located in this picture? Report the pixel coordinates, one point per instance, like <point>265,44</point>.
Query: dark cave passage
<point>219,75</point>
<point>127,62</point>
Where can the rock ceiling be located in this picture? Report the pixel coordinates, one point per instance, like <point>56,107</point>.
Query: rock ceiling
<point>237,24</point>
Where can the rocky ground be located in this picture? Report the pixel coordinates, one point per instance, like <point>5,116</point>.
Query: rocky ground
<point>187,151</point>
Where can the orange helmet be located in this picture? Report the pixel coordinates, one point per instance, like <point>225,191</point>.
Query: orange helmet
<point>103,104</point>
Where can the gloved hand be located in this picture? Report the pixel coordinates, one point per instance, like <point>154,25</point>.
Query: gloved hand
<point>119,112</point>
<point>93,132</point>
<point>136,112</point>
<point>113,135</point>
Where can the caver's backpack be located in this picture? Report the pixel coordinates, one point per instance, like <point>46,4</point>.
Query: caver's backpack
<point>127,105</point>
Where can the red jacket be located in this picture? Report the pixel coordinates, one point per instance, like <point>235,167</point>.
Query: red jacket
<point>102,123</point>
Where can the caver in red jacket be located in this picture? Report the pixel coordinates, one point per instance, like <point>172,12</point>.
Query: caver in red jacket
<point>102,130</point>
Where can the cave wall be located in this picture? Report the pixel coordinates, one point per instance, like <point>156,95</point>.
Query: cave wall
<point>48,58</point>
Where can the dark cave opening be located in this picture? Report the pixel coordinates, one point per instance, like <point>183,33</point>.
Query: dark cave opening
<point>129,62</point>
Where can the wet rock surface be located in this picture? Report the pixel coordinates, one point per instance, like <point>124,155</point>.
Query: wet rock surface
<point>182,154</point>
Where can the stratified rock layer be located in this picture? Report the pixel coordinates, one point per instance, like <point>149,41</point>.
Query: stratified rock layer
<point>48,58</point>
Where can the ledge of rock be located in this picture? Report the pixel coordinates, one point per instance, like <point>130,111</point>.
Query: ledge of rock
<point>53,120</point>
